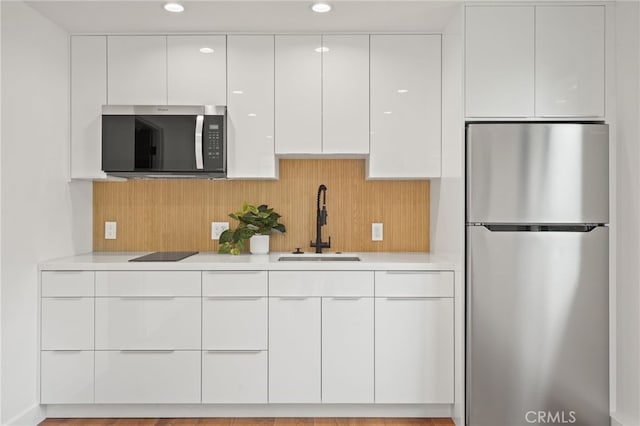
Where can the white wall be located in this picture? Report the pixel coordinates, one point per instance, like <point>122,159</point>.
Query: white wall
<point>627,214</point>
<point>43,216</point>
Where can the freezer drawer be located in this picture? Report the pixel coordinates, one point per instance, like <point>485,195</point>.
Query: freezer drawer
<point>537,173</point>
<point>537,331</point>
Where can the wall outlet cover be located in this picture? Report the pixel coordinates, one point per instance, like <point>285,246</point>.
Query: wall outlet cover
<point>376,232</point>
<point>110,230</point>
<point>217,228</point>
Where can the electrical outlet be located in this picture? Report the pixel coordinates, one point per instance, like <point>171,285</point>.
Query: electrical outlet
<point>110,230</point>
<point>376,232</point>
<point>217,228</point>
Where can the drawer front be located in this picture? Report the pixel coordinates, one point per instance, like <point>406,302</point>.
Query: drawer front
<point>67,283</point>
<point>229,323</point>
<point>67,323</point>
<point>321,283</point>
<point>234,283</point>
<point>66,377</point>
<point>148,323</point>
<point>148,283</point>
<point>230,377</point>
<point>414,283</point>
<point>144,377</point>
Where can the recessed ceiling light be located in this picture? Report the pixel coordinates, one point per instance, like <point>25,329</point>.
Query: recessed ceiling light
<point>206,50</point>
<point>403,90</point>
<point>237,92</point>
<point>321,7</point>
<point>174,7</point>
<point>322,49</point>
<point>388,112</point>
<point>251,114</point>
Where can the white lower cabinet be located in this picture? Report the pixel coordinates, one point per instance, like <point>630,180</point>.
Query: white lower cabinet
<point>66,377</point>
<point>414,350</point>
<point>148,323</point>
<point>67,323</point>
<point>148,377</point>
<point>347,350</point>
<point>294,350</point>
<point>234,377</point>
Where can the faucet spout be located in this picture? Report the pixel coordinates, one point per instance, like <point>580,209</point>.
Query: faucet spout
<point>321,220</point>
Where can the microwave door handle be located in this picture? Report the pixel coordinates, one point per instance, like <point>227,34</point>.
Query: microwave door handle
<point>198,142</point>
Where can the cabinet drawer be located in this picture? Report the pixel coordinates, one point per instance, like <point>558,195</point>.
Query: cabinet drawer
<point>148,283</point>
<point>234,323</point>
<point>66,377</point>
<point>67,323</point>
<point>414,283</point>
<point>67,283</point>
<point>234,377</point>
<point>148,377</point>
<point>321,283</point>
<point>234,283</point>
<point>148,323</point>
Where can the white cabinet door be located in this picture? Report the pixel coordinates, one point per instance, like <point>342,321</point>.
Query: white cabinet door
<point>148,377</point>
<point>294,350</point>
<point>67,323</point>
<point>298,95</point>
<point>570,61</point>
<point>195,76</point>
<point>250,111</point>
<point>67,283</point>
<point>137,70</point>
<point>414,350</point>
<point>234,377</point>
<point>234,323</point>
<point>88,94</point>
<point>148,323</point>
<point>405,107</point>
<point>345,94</point>
<point>66,377</point>
<point>499,61</point>
<point>148,283</point>
<point>347,350</point>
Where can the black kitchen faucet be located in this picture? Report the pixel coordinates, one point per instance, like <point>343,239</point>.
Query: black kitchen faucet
<point>321,220</point>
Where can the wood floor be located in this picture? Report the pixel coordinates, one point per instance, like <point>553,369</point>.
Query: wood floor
<point>251,422</point>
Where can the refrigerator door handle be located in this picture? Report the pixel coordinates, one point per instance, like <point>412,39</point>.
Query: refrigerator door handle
<point>542,228</point>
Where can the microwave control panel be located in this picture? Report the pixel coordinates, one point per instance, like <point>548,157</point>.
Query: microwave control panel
<point>213,142</point>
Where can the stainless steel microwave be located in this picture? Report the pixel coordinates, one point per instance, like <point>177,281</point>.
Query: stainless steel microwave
<point>164,141</point>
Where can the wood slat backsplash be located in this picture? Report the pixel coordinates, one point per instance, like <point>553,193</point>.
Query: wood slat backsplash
<point>165,215</point>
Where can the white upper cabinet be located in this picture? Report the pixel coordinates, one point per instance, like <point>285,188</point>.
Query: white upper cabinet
<point>250,110</point>
<point>499,61</point>
<point>298,98</point>
<point>137,70</point>
<point>197,70</point>
<point>88,94</point>
<point>405,107</point>
<point>570,61</point>
<point>345,94</point>
<point>535,61</point>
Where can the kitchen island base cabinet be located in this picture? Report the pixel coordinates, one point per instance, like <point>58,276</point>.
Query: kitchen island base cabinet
<point>234,377</point>
<point>147,377</point>
<point>66,377</point>
<point>294,350</point>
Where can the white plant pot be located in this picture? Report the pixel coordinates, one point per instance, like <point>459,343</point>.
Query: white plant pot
<point>259,244</point>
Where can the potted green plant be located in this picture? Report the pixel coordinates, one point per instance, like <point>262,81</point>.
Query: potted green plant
<point>256,224</point>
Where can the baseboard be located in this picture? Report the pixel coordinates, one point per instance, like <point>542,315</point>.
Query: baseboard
<point>29,417</point>
<point>257,410</point>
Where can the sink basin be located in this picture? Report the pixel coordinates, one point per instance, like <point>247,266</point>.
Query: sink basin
<point>319,258</point>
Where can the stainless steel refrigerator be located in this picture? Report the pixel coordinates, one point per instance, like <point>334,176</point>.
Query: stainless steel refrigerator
<point>537,285</point>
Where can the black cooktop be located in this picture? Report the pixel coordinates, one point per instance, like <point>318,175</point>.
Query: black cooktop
<point>164,256</point>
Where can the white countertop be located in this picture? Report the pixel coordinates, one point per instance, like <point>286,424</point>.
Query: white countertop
<point>214,261</point>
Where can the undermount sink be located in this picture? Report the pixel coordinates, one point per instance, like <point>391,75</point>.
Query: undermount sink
<point>319,258</point>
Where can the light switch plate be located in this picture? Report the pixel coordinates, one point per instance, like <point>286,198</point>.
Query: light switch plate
<point>110,230</point>
<point>217,228</point>
<point>376,232</point>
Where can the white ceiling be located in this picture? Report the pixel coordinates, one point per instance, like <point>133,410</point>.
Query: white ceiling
<point>148,16</point>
